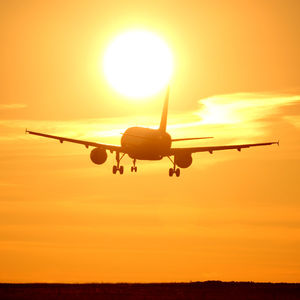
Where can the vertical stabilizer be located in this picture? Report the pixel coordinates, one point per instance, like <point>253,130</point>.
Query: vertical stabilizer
<point>164,116</point>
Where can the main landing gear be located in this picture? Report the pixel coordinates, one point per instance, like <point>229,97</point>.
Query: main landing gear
<point>134,167</point>
<point>173,170</point>
<point>117,167</point>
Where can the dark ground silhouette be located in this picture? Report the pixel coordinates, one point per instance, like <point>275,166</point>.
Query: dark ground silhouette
<point>209,290</point>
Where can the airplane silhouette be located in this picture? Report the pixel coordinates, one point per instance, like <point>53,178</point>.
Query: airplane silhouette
<point>141,143</point>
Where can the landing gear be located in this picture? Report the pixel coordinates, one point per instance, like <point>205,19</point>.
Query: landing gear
<point>174,170</point>
<point>134,167</point>
<point>118,167</point>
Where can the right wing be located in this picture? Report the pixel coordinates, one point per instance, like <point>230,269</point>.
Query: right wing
<point>211,149</point>
<point>85,143</point>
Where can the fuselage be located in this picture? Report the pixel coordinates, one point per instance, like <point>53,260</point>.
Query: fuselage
<point>146,143</point>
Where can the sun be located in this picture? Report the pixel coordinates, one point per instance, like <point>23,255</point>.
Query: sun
<point>138,64</point>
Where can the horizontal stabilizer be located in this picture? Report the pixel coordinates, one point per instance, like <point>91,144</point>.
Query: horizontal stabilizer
<point>189,139</point>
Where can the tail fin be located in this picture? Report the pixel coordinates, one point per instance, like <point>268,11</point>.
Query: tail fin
<point>164,116</point>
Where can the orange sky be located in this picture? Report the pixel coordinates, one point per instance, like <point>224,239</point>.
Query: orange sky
<point>230,216</point>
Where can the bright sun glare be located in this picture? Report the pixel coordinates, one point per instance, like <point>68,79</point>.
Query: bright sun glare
<point>138,64</point>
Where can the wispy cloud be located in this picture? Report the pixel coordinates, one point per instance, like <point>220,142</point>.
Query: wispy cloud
<point>294,120</point>
<point>238,117</point>
<point>12,106</point>
<point>242,107</point>
<point>234,117</point>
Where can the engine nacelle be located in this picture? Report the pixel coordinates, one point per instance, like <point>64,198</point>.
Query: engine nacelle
<point>98,156</point>
<point>183,160</point>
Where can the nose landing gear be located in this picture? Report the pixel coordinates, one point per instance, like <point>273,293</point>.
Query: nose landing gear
<point>134,167</point>
<point>173,170</point>
<point>117,167</point>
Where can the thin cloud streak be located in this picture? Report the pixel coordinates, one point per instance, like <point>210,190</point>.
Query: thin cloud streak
<point>230,116</point>
<point>12,106</point>
<point>242,107</point>
<point>237,117</point>
<point>294,120</point>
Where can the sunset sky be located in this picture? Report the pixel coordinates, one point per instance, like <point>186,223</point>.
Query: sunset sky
<point>230,216</point>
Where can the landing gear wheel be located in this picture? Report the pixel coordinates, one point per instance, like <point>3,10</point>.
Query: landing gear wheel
<point>171,172</point>
<point>177,172</point>
<point>121,170</point>
<point>133,169</point>
<point>114,169</point>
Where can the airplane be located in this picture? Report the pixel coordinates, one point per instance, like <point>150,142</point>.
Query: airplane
<point>141,143</point>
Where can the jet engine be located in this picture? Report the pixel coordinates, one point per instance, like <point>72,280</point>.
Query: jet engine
<point>183,160</point>
<point>98,156</point>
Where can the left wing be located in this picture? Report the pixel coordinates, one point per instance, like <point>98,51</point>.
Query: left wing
<point>85,143</point>
<point>211,149</point>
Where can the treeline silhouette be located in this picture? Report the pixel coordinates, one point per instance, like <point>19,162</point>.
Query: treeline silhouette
<point>208,290</point>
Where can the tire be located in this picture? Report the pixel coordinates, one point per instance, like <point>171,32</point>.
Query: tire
<point>114,169</point>
<point>171,172</point>
<point>121,170</point>
<point>135,169</point>
<point>131,169</point>
<point>177,172</point>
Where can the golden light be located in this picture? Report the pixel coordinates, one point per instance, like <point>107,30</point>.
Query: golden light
<point>138,64</point>
<point>218,110</point>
